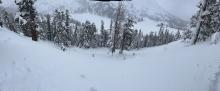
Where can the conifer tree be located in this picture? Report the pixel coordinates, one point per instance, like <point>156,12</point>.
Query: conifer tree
<point>75,35</point>
<point>127,35</point>
<point>49,30</point>
<point>120,15</point>
<point>178,35</point>
<point>27,18</point>
<point>104,35</point>
<point>140,39</point>
<point>204,20</point>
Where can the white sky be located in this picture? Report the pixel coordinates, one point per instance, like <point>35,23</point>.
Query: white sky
<point>181,8</point>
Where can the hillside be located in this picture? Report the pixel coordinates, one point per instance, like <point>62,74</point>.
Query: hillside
<point>40,66</point>
<point>150,13</point>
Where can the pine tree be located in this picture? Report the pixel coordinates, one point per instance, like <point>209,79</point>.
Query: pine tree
<point>87,36</point>
<point>111,35</point>
<point>0,1</point>
<point>140,39</point>
<point>8,20</point>
<point>135,37</point>
<point>5,18</point>
<point>127,35</point>
<point>152,39</point>
<point>49,30</point>
<point>120,15</point>
<point>215,18</point>
<point>75,36</point>
<point>146,39</point>
<point>161,34</point>
<point>177,35</point>
<point>27,18</point>
<point>68,28</point>
<point>81,35</point>
<point>93,36</point>
<point>59,29</point>
<point>104,35</point>
<point>204,20</point>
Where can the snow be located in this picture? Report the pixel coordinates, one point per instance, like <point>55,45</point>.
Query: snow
<point>26,65</point>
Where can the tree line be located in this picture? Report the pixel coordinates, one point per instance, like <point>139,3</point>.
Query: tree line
<point>61,29</point>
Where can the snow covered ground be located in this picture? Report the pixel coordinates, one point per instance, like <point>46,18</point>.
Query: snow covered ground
<point>40,66</point>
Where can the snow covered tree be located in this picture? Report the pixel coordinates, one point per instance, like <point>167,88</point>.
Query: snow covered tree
<point>60,30</point>
<point>177,35</point>
<point>135,37</point>
<point>120,16</point>
<point>49,30</point>
<point>152,39</point>
<point>75,35</point>
<point>146,39</point>
<point>215,16</point>
<point>111,35</point>
<point>92,36</point>
<point>187,34</point>
<point>27,18</point>
<point>5,19</point>
<point>87,35</point>
<point>204,20</point>
<point>140,40</point>
<point>127,35</point>
<point>161,34</point>
<point>68,29</point>
<point>0,1</point>
<point>8,20</point>
<point>104,36</point>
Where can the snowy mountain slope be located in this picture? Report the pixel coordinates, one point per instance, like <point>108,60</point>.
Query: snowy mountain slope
<point>149,10</point>
<point>146,26</point>
<point>40,66</point>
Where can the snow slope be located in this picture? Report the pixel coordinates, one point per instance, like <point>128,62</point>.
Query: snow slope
<point>40,66</point>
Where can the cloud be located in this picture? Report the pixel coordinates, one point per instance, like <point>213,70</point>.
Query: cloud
<point>181,8</point>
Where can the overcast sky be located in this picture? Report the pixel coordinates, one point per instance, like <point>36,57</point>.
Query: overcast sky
<point>181,8</point>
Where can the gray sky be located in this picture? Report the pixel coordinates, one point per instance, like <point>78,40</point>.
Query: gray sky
<point>181,8</point>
